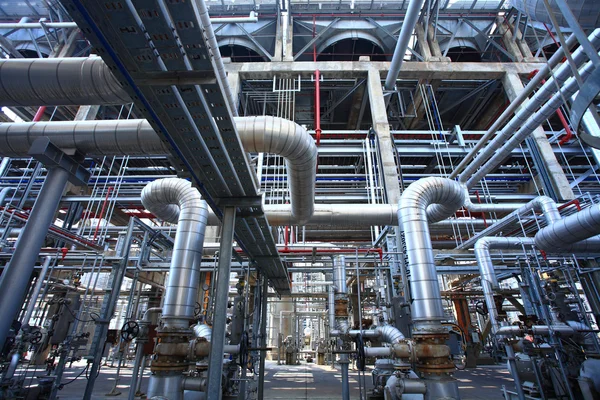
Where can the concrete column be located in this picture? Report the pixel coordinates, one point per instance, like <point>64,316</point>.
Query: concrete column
<point>509,45</point>
<point>435,46</point>
<point>422,43</point>
<point>288,40</point>
<point>382,129</point>
<point>278,54</point>
<point>513,86</point>
<point>233,78</point>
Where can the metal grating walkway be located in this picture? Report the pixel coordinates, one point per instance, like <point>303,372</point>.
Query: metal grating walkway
<point>155,52</point>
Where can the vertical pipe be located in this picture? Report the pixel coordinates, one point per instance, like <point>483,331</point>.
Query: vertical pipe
<point>510,355</point>
<point>215,367</point>
<point>345,381</point>
<point>139,355</point>
<point>263,336</point>
<point>36,291</point>
<point>16,274</point>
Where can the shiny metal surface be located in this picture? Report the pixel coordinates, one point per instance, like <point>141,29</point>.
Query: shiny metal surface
<point>291,141</point>
<point>574,233</point>
<point>339,274</point>
<point>58,81</point>
<point>413,217</point>
<point>176,201</point>
<point>165,387</point>
<point>489,281</point>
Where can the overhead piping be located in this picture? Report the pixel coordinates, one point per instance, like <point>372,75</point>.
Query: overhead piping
<point>577,232</point>
<point>408,26</point>
<point>507,140</point>
<point>522,115</point>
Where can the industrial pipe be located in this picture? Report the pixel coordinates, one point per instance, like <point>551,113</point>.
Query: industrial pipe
<point>176,201</point>
<point>291,141</point>
<point>489,281</point>
<point>427,310</point>
<point>506,141</point>
<point>408,25</point>
<point>576,233</point>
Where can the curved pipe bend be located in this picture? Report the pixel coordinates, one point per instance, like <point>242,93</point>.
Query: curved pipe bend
<point>175,200</point>
<point>426,199</point>
<point>287,139</point>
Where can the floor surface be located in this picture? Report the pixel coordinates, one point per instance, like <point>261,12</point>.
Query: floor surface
<point>304,381</point>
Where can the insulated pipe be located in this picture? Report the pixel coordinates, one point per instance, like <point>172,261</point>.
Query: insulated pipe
<point>506,141</point>
<point>408,25</point>
<point>176,201</point>
<point>427,306</point>
<point>512,107</point>
<point>339,274</point>
<point>489,281</point>
<point>543,204</point>
<point>58,81</point>
<point>577,232</point>
<point>4,192</point>
<point>524,114</point>
<point>291,141</point>
<point>203,331</point>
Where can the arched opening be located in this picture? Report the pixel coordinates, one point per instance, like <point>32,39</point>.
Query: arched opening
<point>464,54</point>
<point>240,54</point>
<point>350,50</point>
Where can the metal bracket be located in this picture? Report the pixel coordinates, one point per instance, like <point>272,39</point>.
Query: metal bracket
<point>51,156</point>
<point>250,201</point>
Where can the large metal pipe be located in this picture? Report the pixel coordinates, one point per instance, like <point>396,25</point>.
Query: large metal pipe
<point>543,204</point>
<point>577,232</point>
<point>489,281</point>
<point>339,274</point>
<point>506,141</point>
<point>176,201</point>
<point>291,141</point>
<point>17,272</point>
<point>524,114</point>
<point>58,81</point>
<point>136,137</point>
<point>408,26</point>
<point>427,309</point>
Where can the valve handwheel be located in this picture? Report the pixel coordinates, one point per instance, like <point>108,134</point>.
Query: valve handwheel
<point>244,345</point>
<point>35,337</point>
<point>130,330</point>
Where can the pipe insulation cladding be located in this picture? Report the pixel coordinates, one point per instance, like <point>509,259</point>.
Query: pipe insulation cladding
<point>176,201</point>
<point>447,196</point>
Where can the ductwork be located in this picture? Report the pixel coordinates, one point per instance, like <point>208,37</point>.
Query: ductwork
<point>489,281</point>
<point>427,307</point>
<point>58,81</point>
<point>506,141</point>
<point>576,233</point>
<point>291,141</point>
<point>524,114</point>
<point>339,274</point>
<point>176,201</point>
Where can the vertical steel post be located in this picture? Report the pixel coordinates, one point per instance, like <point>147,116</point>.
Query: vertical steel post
<point>263,337</point>
<point>215,363</point>
<point>15,278</point>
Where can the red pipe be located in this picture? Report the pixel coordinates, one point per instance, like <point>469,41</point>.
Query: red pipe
<point>102,212</point>
<point>39,114</point>
<point>568,132</point>
<point>286,237</point>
